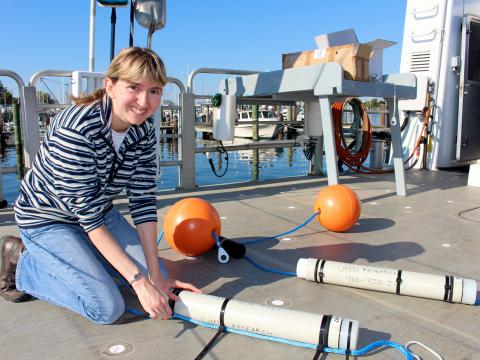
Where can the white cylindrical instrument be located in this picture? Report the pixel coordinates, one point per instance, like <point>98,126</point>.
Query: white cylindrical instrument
<point>224,122</point>
<point>448,288</point>
<point>323,330</point>
<point>313,121</point>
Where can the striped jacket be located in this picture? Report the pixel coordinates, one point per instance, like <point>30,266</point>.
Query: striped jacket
<point>77,172</point>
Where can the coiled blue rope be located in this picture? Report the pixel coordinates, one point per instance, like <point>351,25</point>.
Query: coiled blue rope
<point>254,241</point>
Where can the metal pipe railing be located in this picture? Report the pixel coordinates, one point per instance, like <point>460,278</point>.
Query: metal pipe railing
<point>14,76</point>
<point>67,73</point>
<point>215,71</point>
<point>253,145</point>
<point>178,83</point>
<point>38,75</point>
<point>260,122</point>
<point>170,163</point>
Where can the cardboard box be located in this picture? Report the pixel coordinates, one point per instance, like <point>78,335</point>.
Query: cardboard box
<point>376,59</point>
<point>354,59</point>
<point>338,38</point>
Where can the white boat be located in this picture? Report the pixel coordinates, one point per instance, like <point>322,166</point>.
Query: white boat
<point>244,127</point>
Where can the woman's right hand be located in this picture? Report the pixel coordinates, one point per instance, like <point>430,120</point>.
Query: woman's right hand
<point>154,302</point>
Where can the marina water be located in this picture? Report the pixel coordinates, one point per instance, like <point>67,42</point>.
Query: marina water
<point>244,165</point>
<point>272,164</point>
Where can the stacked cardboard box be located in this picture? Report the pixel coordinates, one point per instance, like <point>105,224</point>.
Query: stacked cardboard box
<point>354,59</point>
<point>343,47</point>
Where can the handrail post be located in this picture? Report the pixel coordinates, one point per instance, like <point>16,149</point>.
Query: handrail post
<point>186,151</point>
<point>31,141</point>
<point>18,139</point>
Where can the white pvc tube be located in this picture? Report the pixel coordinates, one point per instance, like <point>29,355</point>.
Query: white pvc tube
<point>331,331</point>
<point>448,288</point>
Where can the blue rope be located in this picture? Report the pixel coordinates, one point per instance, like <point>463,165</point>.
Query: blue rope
<point>160,238</point>
<point>264,268</point>
<point>362,351</point>
<point>275,271</point>
<point>378,344</point>
<point>137,312</point>
<point>217,240</point>
<point>254,241</point>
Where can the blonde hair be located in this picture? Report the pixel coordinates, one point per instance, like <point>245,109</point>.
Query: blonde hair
<point>130,64</point>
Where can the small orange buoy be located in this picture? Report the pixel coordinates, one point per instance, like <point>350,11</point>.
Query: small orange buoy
<point>189,224</point>
<point>339,207</point>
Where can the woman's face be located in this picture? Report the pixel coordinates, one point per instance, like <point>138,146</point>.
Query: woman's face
<point>132,102</point>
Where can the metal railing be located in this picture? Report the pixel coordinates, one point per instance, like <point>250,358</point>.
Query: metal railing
<point>179,125</point>
<point>218,71</point>
<point>188,147</point>
<point>185,110</point>
<point>18,80</point>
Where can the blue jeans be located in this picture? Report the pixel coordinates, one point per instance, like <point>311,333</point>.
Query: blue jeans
<point>61,265</point>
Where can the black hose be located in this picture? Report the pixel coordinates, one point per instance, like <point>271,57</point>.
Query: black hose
<point>220,149</point>
<point>405,121</point>
<point>217,100</point>
<point>309,148</point>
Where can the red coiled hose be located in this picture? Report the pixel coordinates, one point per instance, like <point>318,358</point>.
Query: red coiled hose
<point>353,160</point>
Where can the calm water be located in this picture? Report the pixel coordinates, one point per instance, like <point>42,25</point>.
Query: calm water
<point>272,164</point>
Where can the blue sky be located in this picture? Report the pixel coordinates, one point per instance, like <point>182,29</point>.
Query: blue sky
<point>242,34</point>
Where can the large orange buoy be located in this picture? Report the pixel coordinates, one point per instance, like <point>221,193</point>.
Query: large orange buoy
<point>189,224</point>
<point>339,207</point>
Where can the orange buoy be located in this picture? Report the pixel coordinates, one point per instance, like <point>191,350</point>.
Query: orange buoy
<point>339,207</point>
<point>189,224</point>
